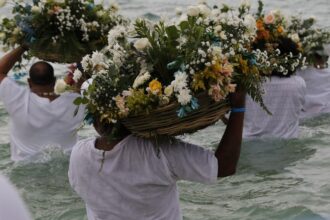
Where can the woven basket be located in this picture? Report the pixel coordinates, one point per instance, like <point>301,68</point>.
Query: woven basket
<point>164,121</point>
<point>58,57</point>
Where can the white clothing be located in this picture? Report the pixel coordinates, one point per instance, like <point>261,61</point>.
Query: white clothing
<point>36,122</point>
<point>11,205</point>
<point>284,98</point>
<point>317,99</point>
<point>137,182</point>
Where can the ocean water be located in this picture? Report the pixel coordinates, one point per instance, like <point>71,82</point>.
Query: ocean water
<point>276,179</point>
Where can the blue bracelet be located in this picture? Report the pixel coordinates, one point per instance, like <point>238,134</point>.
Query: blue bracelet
<point>237,110</point>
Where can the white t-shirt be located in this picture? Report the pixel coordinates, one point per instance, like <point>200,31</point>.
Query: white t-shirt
<point>137,182</point>
<point>284,98</point>
<point>11,205</point>
<point>317,92</point>
<point>36,122</point>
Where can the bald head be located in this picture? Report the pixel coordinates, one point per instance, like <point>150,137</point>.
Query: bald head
<point>42,73</point>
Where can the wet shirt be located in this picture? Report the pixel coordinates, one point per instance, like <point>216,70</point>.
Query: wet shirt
<point>36,122</point>
<point>12,206</point>
<point>284,98</point>
<point>138,179</point>
<point>317,99</point>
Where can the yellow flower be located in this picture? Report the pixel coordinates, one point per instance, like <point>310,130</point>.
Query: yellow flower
<point>168,91</point>
<point>155,86</point>
<point>280,29</point>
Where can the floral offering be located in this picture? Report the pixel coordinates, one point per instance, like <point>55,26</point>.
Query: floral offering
<point>61,31</point>
<point>311,39</point>
<point>284,54</point>
<point>148,66</point>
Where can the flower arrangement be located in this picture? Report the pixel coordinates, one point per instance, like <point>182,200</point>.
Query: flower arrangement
<point>59,30</point>
<point>154,65</point>
<point>284,55</point>
<point>311,39</point>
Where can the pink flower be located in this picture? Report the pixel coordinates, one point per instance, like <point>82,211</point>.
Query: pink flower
<point>120,102</point>
<point>216,93</point>
<point>269,19</point>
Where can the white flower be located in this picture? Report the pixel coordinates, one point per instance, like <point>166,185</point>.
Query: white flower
<point>2,36</point>
<point>100,13</point>
<point>35,9</point>
<point>204,10</point>
<point>115,33</point>
<point>2,3</point>
<point>184,97</point>
<point>59,1</point>
<point>223,35</point>
<point>60,86</point>
<point>86,62</point>
<point>193,11</point>
<point>294,37</point>
<point>178,11</point>
<point>250,23</point>
<point>97,58</point>
<point>77,75</point>
<point>17,31</point>
<point>246,3</point>
<point>141,79</point>
<point>142,43</point>
<point>180,81</point>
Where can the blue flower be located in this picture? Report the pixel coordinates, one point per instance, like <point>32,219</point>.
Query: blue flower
<point>89,119</point>
<point>194,103</point>
<point>181,112</point>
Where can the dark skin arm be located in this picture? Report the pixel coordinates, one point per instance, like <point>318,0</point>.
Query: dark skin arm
<point>229,148</point>
<point>8,61</point>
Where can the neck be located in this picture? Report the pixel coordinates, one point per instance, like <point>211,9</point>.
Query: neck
<point>43,90</point>
<point>103,143</point>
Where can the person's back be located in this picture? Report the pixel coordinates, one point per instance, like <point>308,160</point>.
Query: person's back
<point>37,122</point>
<point>137,181</point>
<point>284,98</point>
<point>38,117</point>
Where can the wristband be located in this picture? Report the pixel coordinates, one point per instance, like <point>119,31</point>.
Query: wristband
<point>238,110</point>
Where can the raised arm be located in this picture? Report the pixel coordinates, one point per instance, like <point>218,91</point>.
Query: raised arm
<point>8,61</point>
<point>229,148</point>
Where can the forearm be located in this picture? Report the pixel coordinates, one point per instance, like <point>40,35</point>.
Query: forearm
<point>229,148</point>
<point>8,61</point>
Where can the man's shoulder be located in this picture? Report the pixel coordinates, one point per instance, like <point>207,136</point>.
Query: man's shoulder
<point>83,145</point>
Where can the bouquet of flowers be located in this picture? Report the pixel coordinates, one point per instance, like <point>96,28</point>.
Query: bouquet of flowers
<point>311,38</point>
<point>284,55</point>
<point>169,78</point>
<point>59,30</point>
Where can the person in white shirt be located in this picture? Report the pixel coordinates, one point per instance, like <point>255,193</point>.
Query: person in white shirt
<point>12,206</point>
<point>135,178</point>
<point>38,117</point>
<point>317,78</point>
<point>284,97</point>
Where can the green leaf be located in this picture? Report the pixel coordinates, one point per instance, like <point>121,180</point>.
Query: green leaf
<point>172,32</point>
<point>78,101</point>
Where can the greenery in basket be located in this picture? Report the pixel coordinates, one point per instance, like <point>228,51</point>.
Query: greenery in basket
<point>59,30</point>
<point>284,54</point>
<point>311,38</point>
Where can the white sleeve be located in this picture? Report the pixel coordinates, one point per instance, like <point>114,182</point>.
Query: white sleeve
<point>191,162</point>
<point>11,205</point>
<point>11,94</point>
